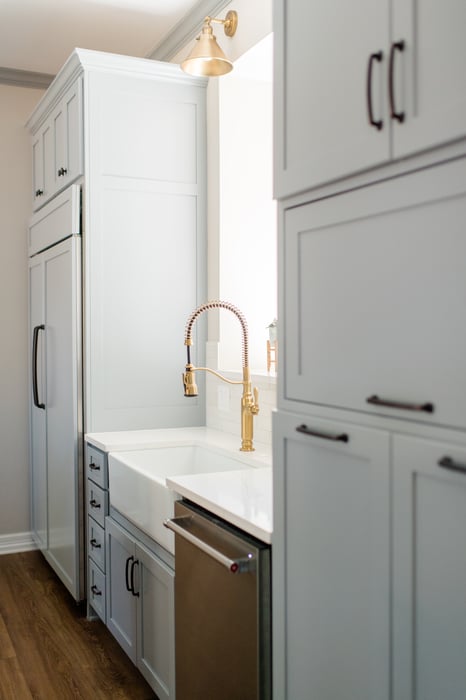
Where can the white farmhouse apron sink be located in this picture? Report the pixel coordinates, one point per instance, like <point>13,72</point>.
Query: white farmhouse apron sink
<point>137,481</point>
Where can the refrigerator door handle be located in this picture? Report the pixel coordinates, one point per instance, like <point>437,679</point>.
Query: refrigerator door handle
<point>233,565</point>
<point>35,392</point>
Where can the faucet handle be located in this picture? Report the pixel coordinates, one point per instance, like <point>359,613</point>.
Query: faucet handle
<point>255,406</point>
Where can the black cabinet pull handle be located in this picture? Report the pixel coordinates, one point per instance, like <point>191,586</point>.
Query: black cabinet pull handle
<point>335,437</point>
<point>449,463</point>
<point>95,544</point>
<point>95,590</point>
<point>35,392</point>
<point>39,193</point>
<point>133,590</point>
<point>94,467</point>
<point>62,171</point>
<point>396,46</point>
<point>127,579</point>
<point>425,407</point>
<point>377,123</point>
<point>94,503</point>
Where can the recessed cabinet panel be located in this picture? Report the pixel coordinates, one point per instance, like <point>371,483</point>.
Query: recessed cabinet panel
<point>375,291</point>
<point>321,117</point>
<point>156,624</point>
<point>429,612</point>
<point>121,603</point>
<point>155,234</point>
<point>162,147</point>
<point>331,536</point>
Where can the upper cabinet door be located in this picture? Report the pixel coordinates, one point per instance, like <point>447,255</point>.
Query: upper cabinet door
<point>428,73</point>
<point>360,84</point>
<point>327,57</point>
<point>68,146</point>
<point>43,178</point>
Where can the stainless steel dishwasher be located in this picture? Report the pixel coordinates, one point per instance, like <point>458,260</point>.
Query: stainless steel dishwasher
<point>222,609</point>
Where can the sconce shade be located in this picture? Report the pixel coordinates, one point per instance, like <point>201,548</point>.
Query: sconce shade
<point>207,58</point>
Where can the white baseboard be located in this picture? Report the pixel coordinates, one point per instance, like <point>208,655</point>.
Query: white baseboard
<point>16,542</point>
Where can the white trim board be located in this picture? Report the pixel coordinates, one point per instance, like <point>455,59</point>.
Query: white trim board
<point>16,542</point>
<point>25,78</point>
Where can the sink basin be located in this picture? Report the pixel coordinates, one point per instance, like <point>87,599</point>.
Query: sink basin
<point>138,488</point>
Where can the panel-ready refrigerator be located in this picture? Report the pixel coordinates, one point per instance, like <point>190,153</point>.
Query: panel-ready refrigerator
<point>56,416</point>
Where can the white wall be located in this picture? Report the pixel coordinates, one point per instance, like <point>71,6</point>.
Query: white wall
<point>248,216</point>
<point>254,23</point>
<point>15,206</point>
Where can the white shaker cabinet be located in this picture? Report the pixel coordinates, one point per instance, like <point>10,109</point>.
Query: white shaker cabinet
<point>429,569</point>
<point>55,418</point>
<point>369,571</point>
<point>374,296</point>
<point>57,146</point>
<point>332,532</point>
<point>131,134</point>
<point>68,135</point>
<point>361,83</point>
<point>42,164</point>
<point>140,607</point>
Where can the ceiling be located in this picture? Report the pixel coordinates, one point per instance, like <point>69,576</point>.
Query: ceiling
<point>39,35</point>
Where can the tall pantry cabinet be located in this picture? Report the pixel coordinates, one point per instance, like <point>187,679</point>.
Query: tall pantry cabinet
<point>128,136</point>
<point>369,438</point>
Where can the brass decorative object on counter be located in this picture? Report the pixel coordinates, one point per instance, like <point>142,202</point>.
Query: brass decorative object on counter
<point>250,397</point>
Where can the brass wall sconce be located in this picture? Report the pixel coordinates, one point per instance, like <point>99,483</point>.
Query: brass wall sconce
<point>207,58</point>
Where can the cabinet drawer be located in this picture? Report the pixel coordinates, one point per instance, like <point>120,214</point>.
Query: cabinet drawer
<point>375,298</point>
<point>96,466</point>
<point>96,542</point>
<point>96,590</point>
<point>97,502</point>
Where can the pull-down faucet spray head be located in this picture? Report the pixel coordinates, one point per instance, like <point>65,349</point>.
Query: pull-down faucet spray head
<point>189,377</point>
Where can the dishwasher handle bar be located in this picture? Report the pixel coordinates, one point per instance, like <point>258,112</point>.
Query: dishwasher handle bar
<point>235,566</point>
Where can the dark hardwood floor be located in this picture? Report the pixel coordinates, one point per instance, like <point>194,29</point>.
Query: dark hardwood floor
<point>48,650</point>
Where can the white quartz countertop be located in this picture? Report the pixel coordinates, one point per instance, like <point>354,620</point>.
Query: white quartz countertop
<point>243,497</point>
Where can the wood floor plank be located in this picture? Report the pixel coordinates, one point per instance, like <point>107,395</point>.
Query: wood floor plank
<point>6,647</point>
<point>13,685</point>
<point>59,653</point>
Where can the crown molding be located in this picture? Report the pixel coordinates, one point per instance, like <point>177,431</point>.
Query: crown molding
<point>186,29</point>
<point>25,78</point>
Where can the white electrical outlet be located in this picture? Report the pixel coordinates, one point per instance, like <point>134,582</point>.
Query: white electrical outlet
<point>223,398</point>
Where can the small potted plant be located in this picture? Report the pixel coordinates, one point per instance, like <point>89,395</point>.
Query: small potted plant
<point>272,328</point>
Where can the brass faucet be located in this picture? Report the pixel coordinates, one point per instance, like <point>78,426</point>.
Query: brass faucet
<point>249,402</point>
